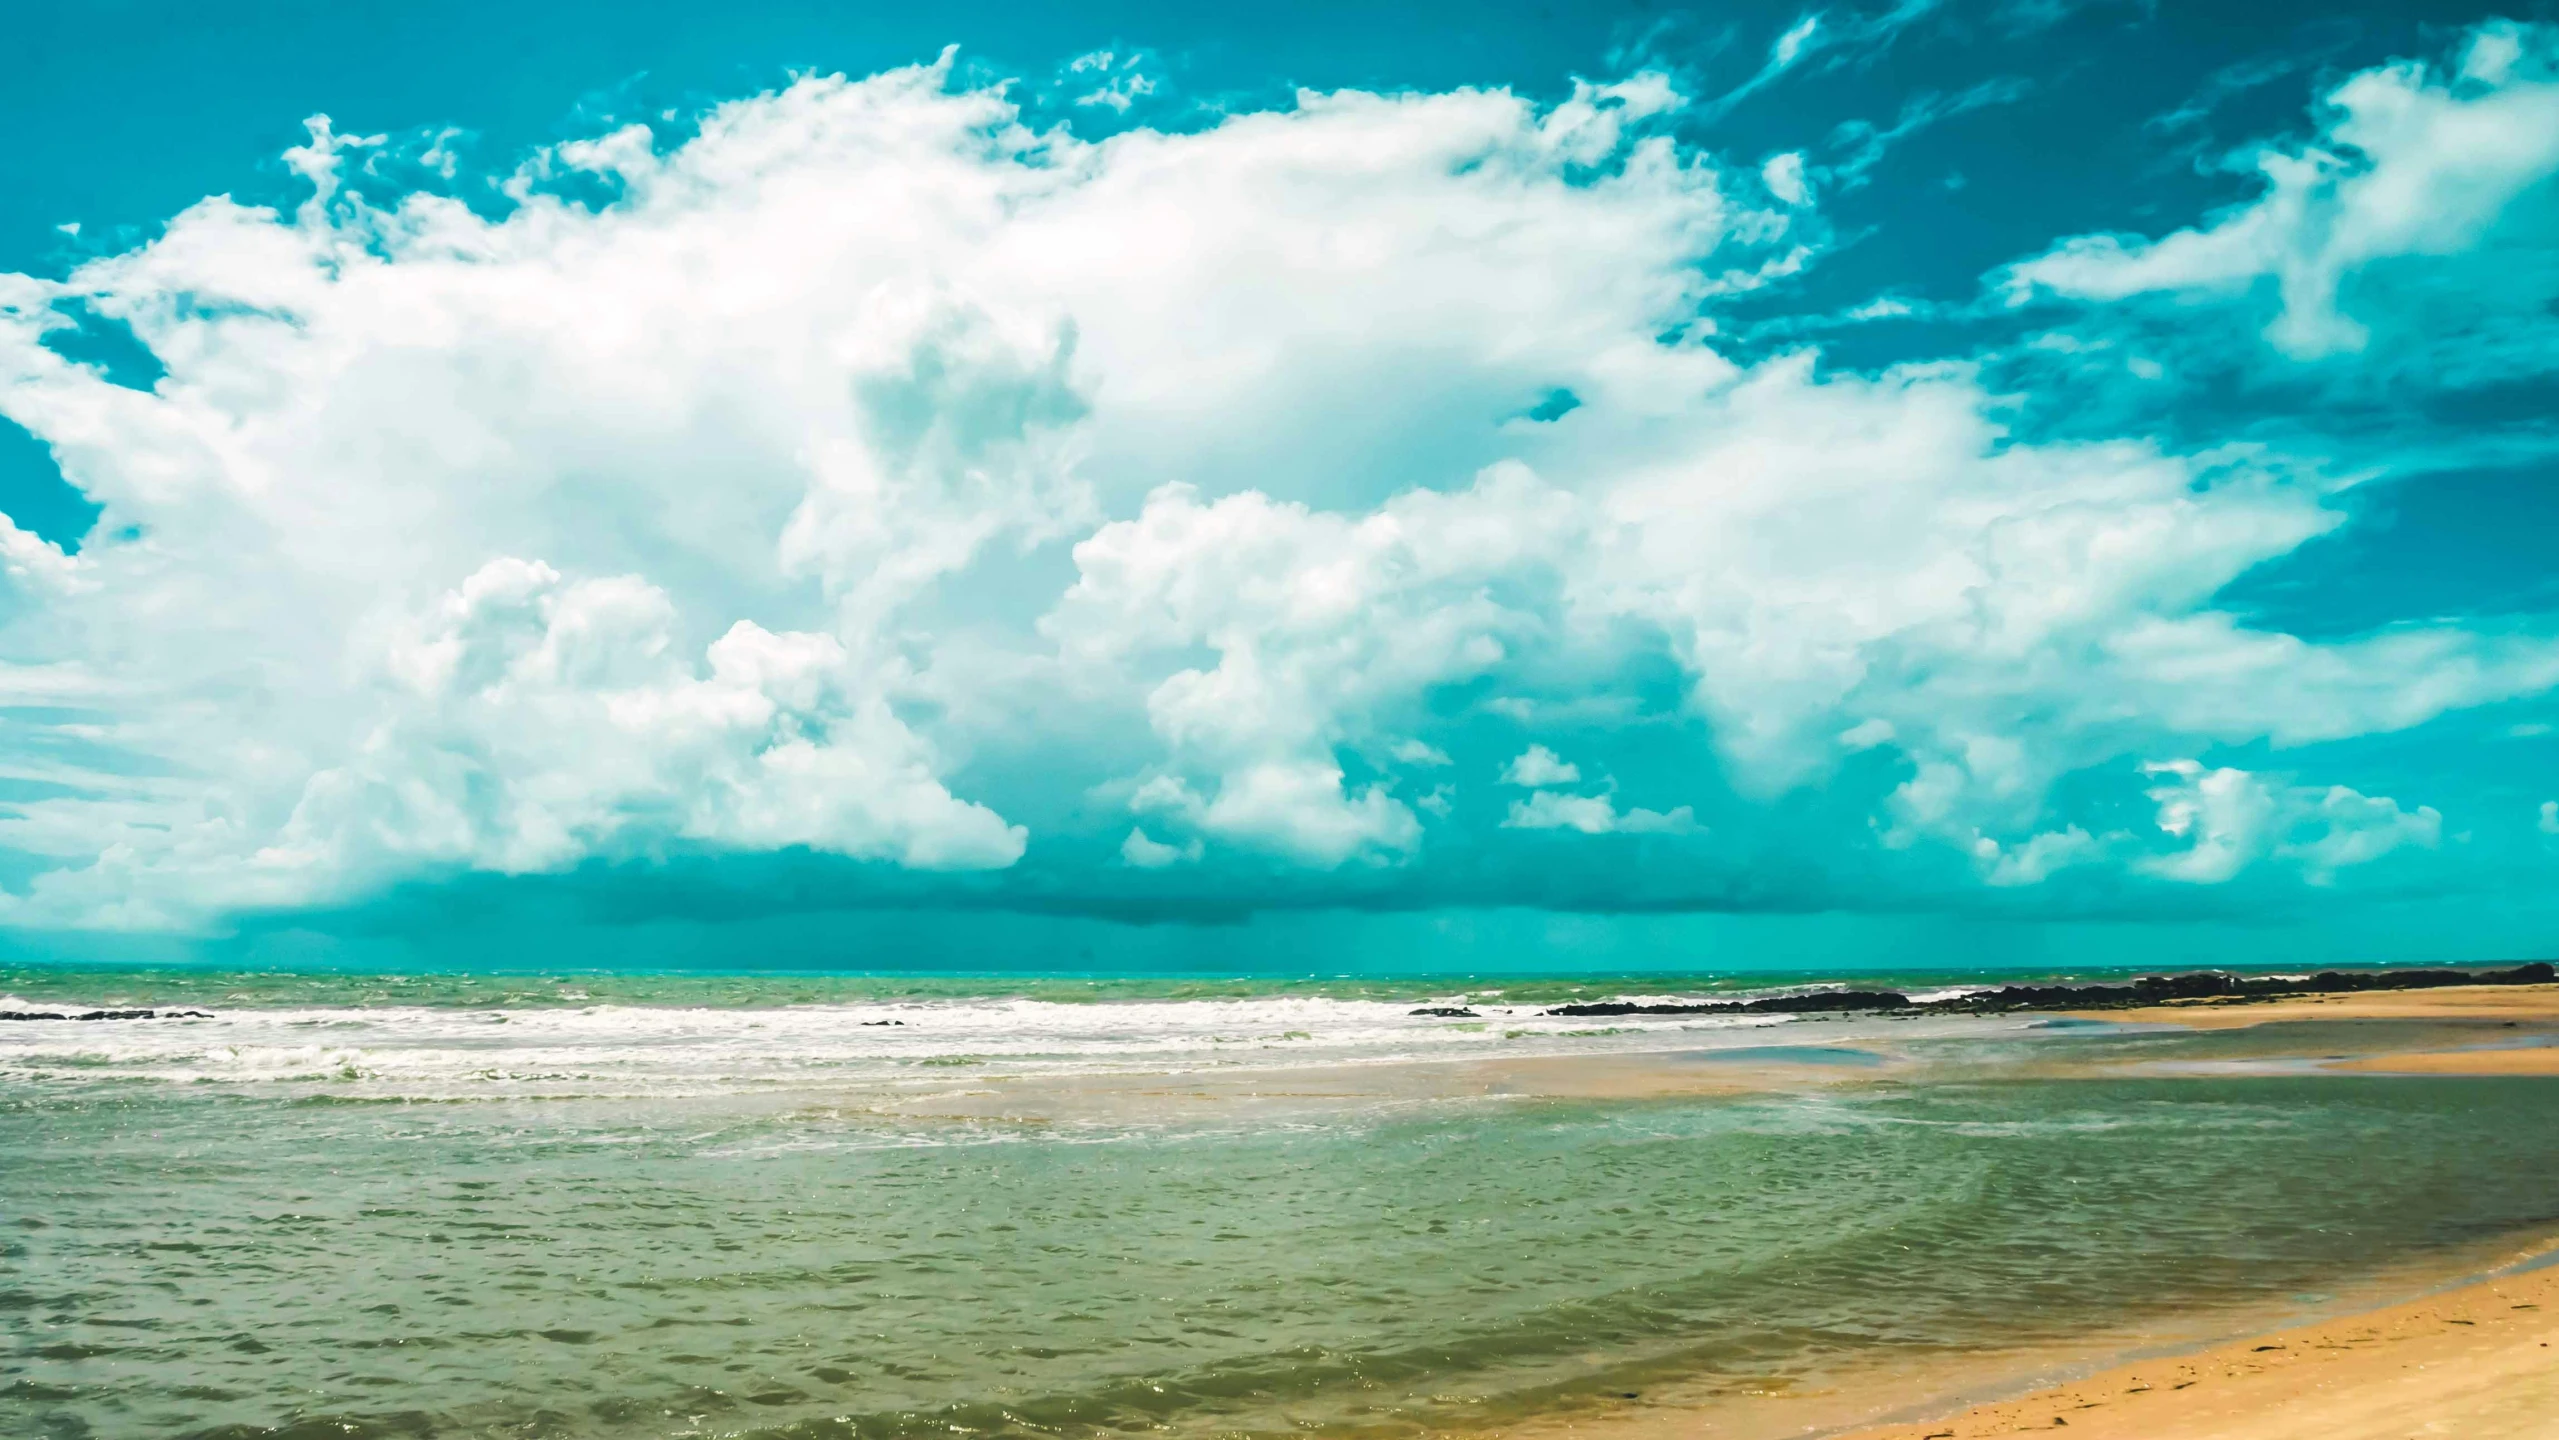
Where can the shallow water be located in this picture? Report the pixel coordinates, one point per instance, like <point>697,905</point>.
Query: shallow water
<point>639,1221</point>
<point>1788,1055</point>
<point>206,987</point>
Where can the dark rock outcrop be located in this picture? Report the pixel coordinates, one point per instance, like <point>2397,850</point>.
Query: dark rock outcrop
<point>2216,985</point>
<point>1820,1002</point>
<point>2148,990</point>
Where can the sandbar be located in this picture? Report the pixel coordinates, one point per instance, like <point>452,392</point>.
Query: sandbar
<point>2452,1002</point>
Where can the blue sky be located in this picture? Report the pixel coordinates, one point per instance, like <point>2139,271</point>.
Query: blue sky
<point>1518,486</point>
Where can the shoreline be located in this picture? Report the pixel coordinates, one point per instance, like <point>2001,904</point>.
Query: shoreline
<point>2463,1346</point>
<point>2477,1359</point>
<point>1562,1240</point>
<point>2497,1003</point>
<point>2467,1349</point>
<point>2475,1355</point>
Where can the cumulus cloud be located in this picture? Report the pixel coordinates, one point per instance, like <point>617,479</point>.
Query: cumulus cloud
<point>806,366</point>
<point>1594,815</point>
<point>867,473</point>
<point>536,719</point>
<point>2232,819</point>
<point>1148,853</point>
<point>1409,751</point>
<point>1538,766</point>
<point>1326,628</point>
<point>2411,161</point>
<point>2035,859</point>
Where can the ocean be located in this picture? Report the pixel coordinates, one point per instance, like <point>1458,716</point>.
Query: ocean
<point>607,1206</point>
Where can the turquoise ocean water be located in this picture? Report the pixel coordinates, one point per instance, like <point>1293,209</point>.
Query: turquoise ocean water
<point>655,1206</point>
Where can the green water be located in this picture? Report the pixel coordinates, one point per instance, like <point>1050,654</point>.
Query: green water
<point>208,1259</point>
<point>54,985</point>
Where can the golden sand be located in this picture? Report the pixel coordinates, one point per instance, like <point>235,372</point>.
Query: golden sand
<point>2476,1360</point>
<point>2477,1363</point>
<point>2480,1362</point>
<point>2536,1060</point>
<point>2452,1002</point>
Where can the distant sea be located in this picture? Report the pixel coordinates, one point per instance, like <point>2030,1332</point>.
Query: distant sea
<point>608,1205</point>
<point>746,987</point>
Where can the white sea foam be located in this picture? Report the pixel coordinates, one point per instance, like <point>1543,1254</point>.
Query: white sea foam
<point>430,1052</point>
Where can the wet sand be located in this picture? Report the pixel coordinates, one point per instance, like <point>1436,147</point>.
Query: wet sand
<point>2517,1026</point>
<point>2520,1003</point>
<point>2477,1362</point>
<point>2476,1359</point>
<point>2531,1060</point>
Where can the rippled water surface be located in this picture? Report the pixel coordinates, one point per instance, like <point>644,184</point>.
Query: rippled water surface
<point>411,1226</point>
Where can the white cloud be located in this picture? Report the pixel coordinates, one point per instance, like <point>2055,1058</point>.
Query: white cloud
<point>839,348</point>
<point>2550,817</point>
<point>2226,816</point>
<point>869,432</point>
<point>1327,629</point>
<point>1296,808</point>
<point>1784,177</point>
<point>2410,162</point>
<point>2232,819</point>
<point>1825,555</point>
<point>1538,766</point>
<point>1148,853</point>
<point>526,722</point>
<point>1817,31</point>
<point>2034,861</point>
<point>535,719</point>
<point>1118,81</point>
<point>1866,734</point>
<point>1594,815</point>
<point>1790,46</point>
<point>1862,145</point>
<point>1409,751</point>
<point>2357,829</point>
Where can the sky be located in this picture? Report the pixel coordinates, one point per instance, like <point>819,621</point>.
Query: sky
<point>1931,484</point>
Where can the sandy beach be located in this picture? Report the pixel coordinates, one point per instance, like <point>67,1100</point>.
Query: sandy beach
<point>2476,1362</point>
<point>2498,1003</point>
<point>2513,1025</point>
<point>2476,1359</point>
<point>2479,1360</point>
